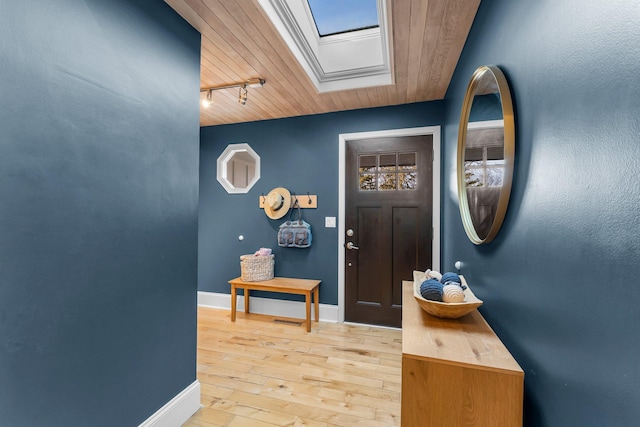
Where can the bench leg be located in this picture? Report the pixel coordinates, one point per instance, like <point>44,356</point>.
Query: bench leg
<point>246,300</point>
<point>307,301</point>
<point>316,303</point>
<point>233,303</point>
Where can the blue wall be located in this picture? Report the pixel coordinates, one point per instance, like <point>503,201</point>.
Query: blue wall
<point>300,154</point>
<point>98,210</point>
<point>560,282</point>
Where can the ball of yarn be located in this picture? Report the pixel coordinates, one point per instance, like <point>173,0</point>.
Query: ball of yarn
<point>450,277</point>
<point>431,289</point>
<point>433,274</point>
<point>452,293</point>
<point>450,282</point>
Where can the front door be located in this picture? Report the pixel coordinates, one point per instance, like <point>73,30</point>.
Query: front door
<point>388,223</point>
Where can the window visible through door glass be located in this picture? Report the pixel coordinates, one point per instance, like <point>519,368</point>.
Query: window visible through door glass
<point>388,171</point>
<point>407,161</point>
<point>388,177</point>
<point>367,168</point>
<point>368,163</point>
<point>388,162</point>
<point>387,181</point>
<point>407,171</point>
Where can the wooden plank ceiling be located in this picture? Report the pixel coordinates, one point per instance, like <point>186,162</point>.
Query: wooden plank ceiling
<point>239,42</point>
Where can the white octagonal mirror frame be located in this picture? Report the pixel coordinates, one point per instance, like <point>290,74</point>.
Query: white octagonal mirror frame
<point>238,168</point>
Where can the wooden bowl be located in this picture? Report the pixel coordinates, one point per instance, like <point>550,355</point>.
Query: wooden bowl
<point>448,310</point>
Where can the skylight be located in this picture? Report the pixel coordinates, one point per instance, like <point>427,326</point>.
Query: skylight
<point>341,16</point>
<point>345,56</point>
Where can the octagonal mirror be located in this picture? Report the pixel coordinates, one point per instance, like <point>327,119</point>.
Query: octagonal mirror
<point>238,168</point>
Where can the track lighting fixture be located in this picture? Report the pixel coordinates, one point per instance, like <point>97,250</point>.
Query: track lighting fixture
<point>242,92</point>
<point>256,82</point>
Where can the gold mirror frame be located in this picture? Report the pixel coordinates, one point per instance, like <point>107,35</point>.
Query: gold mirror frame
<point>477,86</point>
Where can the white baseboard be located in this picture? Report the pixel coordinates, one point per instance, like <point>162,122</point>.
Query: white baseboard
<point>274,307</point>
<point>178,410</point>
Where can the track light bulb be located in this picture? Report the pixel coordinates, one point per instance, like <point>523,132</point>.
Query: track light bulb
<point>208,100</point>
<point>242,96</point>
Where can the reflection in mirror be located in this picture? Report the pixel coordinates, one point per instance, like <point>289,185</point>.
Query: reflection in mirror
<point>484,172</point>
<point>241,168</point>
<point>238,168</point>
<point>486,148</point>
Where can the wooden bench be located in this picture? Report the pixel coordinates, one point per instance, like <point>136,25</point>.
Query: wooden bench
<point>305,287</point>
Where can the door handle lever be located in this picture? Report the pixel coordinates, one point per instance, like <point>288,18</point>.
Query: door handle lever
<point>350,245</point>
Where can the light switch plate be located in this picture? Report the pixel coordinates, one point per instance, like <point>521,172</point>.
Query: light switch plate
<point>330,222</point>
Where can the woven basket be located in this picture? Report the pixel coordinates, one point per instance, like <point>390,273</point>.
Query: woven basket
<point>256,268</point>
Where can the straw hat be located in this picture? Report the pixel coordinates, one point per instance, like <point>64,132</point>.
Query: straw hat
<point>277,203</point>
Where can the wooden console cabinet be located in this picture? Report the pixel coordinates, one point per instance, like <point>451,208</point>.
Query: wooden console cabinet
<point>456,372</point>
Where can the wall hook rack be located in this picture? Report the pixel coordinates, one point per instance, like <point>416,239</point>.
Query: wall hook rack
<point>308,201</point>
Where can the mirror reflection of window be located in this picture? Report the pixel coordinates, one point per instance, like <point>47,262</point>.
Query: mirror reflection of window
<point>484,157</point>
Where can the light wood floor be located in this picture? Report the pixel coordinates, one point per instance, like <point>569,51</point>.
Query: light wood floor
<point>261,371</point>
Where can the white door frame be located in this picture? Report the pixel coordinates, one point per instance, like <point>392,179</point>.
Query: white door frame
<point>343,138</point>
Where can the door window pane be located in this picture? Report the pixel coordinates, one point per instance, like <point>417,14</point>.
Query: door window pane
<point>407,180</point>
<point>388,162</point>
<point>387,181</point>
<point>368,163</point>
<point>368,181</point>
<point>406,161</point>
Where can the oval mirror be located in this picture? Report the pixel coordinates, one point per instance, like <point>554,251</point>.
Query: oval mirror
<point>238,168</point>
<point>486,150</point>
